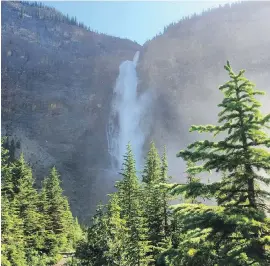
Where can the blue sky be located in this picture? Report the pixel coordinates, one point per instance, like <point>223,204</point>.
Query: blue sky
<point>137,21</point>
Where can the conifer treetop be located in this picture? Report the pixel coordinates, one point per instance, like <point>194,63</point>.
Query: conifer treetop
<point>243,153</point>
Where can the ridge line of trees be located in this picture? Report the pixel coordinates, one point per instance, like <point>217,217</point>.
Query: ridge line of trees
<point>35,225</point>
<point>50,13</point>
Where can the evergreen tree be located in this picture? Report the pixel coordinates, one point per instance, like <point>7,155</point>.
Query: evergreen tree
<point>117,233</point>
<point>75,233</point>
<point>25,198</point>
<point>6,172</point>
<point>129,187</point>
<point>93,250</point>
<point>237,231</point>
<point>12,235</point>
<point>59,222</point>
<point>129,193</point>
<point>30,219</point>
<point>165,194</point>
<point>156,199</point>
<point>20,205</point>
<point>51,246</point>
<point>191,180</point>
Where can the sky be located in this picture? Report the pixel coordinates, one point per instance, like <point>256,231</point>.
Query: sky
<point>137,21</point>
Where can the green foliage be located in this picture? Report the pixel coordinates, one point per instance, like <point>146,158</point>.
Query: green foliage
<point>117,233</point>
<point>12,243</point>
<point>137,227</point>
<point>92,251</point>
<point>131,230</point>
<point>63,231</point>
<point>30,219</point>
<point>237,231</point>
<point>165,195</point>
<point>155,198</point>
<point>130,196</point>
<point>11,147</point>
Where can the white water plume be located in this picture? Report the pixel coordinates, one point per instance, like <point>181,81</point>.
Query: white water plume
<point>127,112</point>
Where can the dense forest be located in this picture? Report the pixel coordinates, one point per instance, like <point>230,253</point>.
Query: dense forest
<point>139,225</point>
<point>36,226</point>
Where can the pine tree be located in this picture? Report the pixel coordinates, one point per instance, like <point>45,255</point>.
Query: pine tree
<point>156,199</point>
<point>128,187</point>
<point>165,194</point>
<point>117,233</point>
<point>93,250</point>
<point>237,231</point>
<point>12,235</point>
<point>153,203</point>
<point>25,198</point>
<point>28,218</point>
<point>6,172</point>
<point>51,246</point>
<point>20,206</point>
<point>59,222</point>
<point>129,193</point>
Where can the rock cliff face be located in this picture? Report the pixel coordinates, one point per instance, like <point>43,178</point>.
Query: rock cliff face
<point>57,82</point>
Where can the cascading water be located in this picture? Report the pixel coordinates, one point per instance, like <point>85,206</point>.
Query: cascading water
<point>125,118</point>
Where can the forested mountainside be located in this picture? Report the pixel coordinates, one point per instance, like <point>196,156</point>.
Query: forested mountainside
<point>58,76</point>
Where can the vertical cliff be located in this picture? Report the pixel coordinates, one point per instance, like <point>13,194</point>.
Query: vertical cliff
<point>57,83</point>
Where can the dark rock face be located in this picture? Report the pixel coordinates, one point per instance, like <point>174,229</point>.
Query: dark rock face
<point>57,82</point>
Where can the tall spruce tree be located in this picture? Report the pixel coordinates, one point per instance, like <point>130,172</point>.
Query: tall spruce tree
<point>117,233</point>
<point>152,201</point>
<point>28,237</point>
<point>130,195</point>
<point>12,235</point>
<point>20,211</point>
<point>59,222</point>
<point>25,198</point>
<point>237,231</point>
<point>164,178</point>
<point>155,199</point>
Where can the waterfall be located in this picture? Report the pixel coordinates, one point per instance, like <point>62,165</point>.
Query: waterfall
<point>125,117</point>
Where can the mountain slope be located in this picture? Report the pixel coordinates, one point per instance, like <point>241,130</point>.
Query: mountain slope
<point>184,66</point>
<point>57,82</point>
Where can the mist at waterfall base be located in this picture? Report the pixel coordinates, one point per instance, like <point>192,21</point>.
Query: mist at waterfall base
<point>127,121</point>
